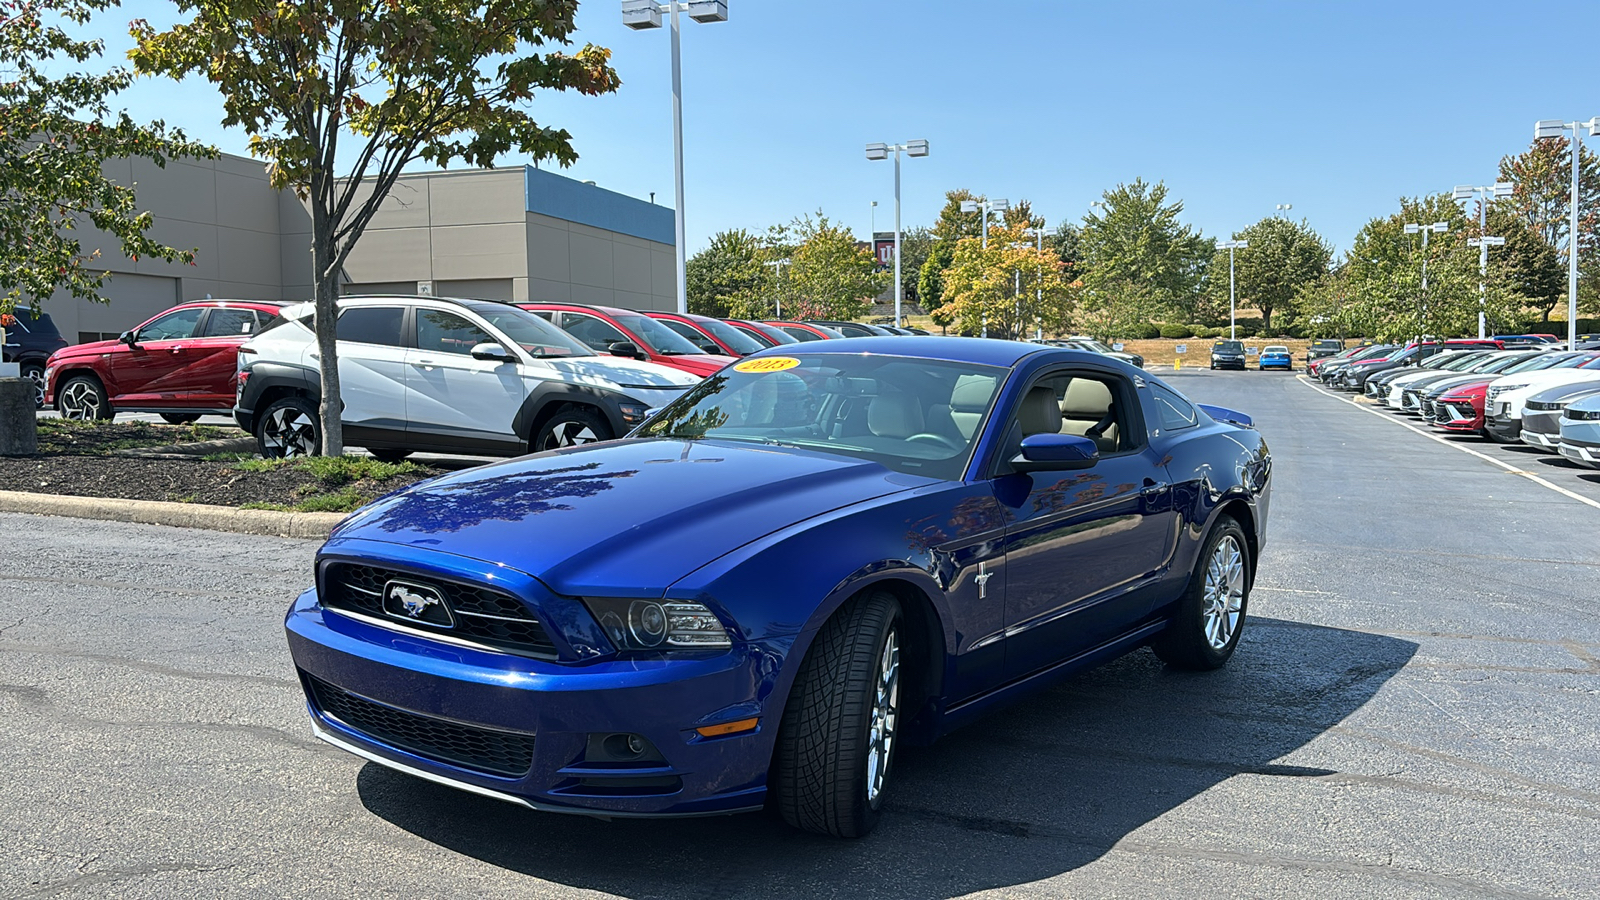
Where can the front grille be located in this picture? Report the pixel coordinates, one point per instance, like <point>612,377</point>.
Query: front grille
<point>480,615</point>
<point>1584,415</point>
<point>493,752</point>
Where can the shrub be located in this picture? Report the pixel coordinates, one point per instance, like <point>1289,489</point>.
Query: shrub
<point>1205,331</point>
<point>1176,331</point>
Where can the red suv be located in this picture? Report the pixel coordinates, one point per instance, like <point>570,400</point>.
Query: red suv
<point>710,335</point>
<point>622,332</point>
<point>179,364</point>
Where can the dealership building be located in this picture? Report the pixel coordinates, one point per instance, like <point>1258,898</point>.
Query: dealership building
<point>502,234</point>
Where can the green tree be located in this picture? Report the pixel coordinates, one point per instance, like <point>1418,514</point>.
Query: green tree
<point>1115,309</point>
<point>730,278</point>
<point>1137,239</point>
<point>830,276</point>
<point>1007,289</point>
<point>1268,274</point>
<point>916,246</point>
<point>1542,175</point>
<point>57,131</point>
<point>380,84</point>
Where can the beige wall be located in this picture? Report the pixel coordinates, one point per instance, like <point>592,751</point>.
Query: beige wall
<point>573,263</point>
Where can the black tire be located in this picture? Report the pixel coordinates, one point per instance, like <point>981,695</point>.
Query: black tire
<point>570,427</point>
<point>289,427</point>
<point>388,454</point>
<point>1190,641</point>
<point>35,373</point>
<point>1501,439</point>
<point>181,418</point>
<point>821,778</point>
<point>83,398</point>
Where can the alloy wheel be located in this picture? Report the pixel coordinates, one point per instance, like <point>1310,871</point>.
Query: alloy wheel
<point>571,434</point>
<point>1224,597</point>
<point>289,432</point>
<point>79,400</point>
<point>35,375</point>
<point>885,717</point>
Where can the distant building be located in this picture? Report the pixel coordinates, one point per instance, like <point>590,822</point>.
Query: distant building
<point>516,233</point>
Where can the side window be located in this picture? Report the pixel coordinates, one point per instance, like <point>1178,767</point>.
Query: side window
<point>230,323</point>
<point>371,325</point>
<point>693,336</point>
<point>172,326</point>
<point>597,334</point>
<point>800,334</point>
<point>1086,405</point>
<point>445,332</point>
<point>544,314</point>
<point>1172,411</point>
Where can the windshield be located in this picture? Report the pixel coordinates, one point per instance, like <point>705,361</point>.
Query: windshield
<point>1383,351</point>
<point>1276,349</point>
<point>731,337</point>
<point>1235,346</point>
<point>539,338</point>
<point>661,339</point>
<point>1097,347</point>
<point>1502,364</point>
<point>1461,362</point>
<point>775,335</point>
<point>1546,361</point>
<point>916,416</point>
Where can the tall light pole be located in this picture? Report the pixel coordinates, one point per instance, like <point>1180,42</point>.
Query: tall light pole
<point>1411,228</point>
<point>1483,242</point>
<point>1554,128</point>
<point>1283,209</point>
<point>641,15</point>
<point>1233,322</point>
<point>777,280</point>
<point>880,152</point>
<point>984,207</point>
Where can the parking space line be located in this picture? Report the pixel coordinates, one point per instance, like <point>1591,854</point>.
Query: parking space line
<point>1468,450</point>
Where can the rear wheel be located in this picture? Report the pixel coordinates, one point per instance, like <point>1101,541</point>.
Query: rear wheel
<point>35,373</point>
<point>181,418</point>
<point>840,729</point>
<point>570,427</point>
<point>288,428</point>
<point>81,397</point>
<point>1209,619</point>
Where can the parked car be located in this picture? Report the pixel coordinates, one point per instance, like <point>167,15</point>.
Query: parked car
<point>1314,367</point>
<point>1580,432</point>
<point>782,577</point>
<point>1321,348</point>
<point>805,332</point>
<point>446,376</point>
<point>1541,414</point>
<point>1275,356</point>
<point>1499,365</point>
<point>1227,355</point>
<point>711,335</point>
<point>853,329</point>
<point>179,364</point>
<point>625,333</point>
<point>1328,370</point>
<point>1392,386</point>
<point>31,336</point>
<point>1094,346</point>
<point>1506,397</point>
<point>761,331</point>
<point>1354,377</point>
<point>1460,409</point>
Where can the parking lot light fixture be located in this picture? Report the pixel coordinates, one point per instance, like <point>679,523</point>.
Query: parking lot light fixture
<point>879,152</point>
<point>1484,192</point>
<point>1414,228</point>
<point>1283,209</point>
<point>984,207</point>
<point>1233,322</point>
<point>1554,128</point>
<point>643,15</point>
<point>778,265</point>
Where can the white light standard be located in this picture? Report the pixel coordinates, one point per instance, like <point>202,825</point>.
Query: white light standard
<point>1554,128</point>
<point>1483,242</point>
<point>880,152</point>
<point>777,280</point>
<point>985,207</point>
<point>1233,324</point>
<point>641,15</point>
<point>1411,228</point>
<point>1283,209</point>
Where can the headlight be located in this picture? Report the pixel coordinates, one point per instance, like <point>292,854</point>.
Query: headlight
<point>1499,389</point>
<point>633,413</point>
<point>659,624</point>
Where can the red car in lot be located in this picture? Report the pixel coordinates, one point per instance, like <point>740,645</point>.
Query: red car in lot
<point>1460,409</point>
<point>804,331</point>
<point>768,335</point>
<point>711,335</point>
<point>623,332</point>
<point>180,364</point>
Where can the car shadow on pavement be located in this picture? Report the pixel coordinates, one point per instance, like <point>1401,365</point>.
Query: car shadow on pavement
<point>1035,790</point>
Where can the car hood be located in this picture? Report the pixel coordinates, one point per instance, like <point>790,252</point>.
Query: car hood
<point>700,364</point>
<point>623,518</point>
<point>1587,403</point>
<point>93,348</point>
<point>604,371</point>
<point>1534,382</point>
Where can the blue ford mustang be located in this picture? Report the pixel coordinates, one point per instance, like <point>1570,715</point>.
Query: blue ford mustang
<point>815,555</point>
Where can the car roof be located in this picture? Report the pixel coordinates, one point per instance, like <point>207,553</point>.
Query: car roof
<point>586,307</point>
<point>982,351</point>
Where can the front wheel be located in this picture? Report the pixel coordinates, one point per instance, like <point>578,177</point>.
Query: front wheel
<point>288,428</point>
<point>35,373</point>
<point>571,427</point>
<point>840,729</point>
<point>1209,618</point>
<point>84,399</point>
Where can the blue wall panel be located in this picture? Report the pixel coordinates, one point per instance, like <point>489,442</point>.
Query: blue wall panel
<point>561,197</point>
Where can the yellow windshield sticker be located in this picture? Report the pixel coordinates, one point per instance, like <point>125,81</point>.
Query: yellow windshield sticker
<point>767,364</point>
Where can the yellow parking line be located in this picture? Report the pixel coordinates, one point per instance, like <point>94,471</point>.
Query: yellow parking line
<point>1468,450</point>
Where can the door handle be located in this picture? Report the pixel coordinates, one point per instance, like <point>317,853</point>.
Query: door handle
<point>1152,488</point>
<point>176,349</point>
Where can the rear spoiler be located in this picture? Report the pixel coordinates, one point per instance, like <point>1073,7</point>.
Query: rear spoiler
<point>1231,416</point>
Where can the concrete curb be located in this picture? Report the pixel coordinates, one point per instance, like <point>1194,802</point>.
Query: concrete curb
<point>180,515</point>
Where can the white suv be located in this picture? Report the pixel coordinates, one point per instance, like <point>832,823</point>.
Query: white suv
<point>444,376</point>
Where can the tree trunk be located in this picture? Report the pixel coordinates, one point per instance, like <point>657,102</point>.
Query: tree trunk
<point>326,274</point>
<point>1266,320</point>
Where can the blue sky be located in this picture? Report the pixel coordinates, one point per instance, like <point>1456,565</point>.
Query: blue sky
<point>1338,108</point>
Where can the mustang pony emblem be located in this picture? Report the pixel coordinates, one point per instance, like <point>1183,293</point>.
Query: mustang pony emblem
<point>414,603</point>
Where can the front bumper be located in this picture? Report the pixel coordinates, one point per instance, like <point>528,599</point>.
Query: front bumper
<point>1228,363</point>
<point>447,713</point>
<point>1582,452</point>
<point>1503,425</point>
<point>1542,428</point>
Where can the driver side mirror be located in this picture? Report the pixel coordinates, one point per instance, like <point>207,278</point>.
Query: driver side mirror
<point>490,351</point>
<point>131,338</point>
<point>626,349</point>
<point>1051,452</point>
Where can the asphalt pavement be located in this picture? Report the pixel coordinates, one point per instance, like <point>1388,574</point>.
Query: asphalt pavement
<point>1412,713</point>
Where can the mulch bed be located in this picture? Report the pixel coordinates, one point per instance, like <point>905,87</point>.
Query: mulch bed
<point>79,461</point>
